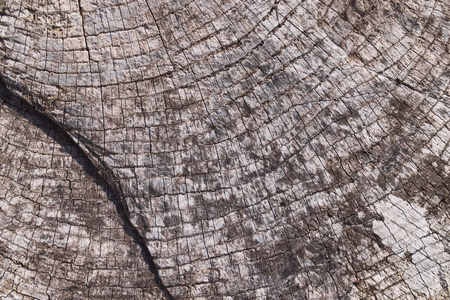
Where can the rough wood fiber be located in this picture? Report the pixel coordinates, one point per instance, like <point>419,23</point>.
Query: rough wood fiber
<point>225,149</point>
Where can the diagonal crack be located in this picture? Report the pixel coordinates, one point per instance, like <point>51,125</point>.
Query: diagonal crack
<point>91,163</point>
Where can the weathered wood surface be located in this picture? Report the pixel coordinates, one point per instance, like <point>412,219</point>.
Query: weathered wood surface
<point>157,149</point>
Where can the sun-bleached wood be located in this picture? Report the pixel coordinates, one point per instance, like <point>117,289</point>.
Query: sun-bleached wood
<point>224,149</point>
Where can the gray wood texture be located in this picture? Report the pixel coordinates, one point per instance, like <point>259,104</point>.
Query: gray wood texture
<point>170,149</point>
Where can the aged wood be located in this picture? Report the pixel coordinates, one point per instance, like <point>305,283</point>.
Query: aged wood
<point>224,149</point>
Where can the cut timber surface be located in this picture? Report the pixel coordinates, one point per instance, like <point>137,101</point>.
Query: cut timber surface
<point>211,149</point>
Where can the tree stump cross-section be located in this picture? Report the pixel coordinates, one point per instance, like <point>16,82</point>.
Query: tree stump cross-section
<point>174,149</point>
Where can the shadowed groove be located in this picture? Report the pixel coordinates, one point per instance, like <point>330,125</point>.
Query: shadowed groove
<point>101,174</point>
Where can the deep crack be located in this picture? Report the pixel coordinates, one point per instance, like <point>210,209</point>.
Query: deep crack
<point>101,174</point>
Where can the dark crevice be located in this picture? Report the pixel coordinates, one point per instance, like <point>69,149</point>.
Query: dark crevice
<point>102,175</point>
<point>80,9</point>
<point>399,82</point>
